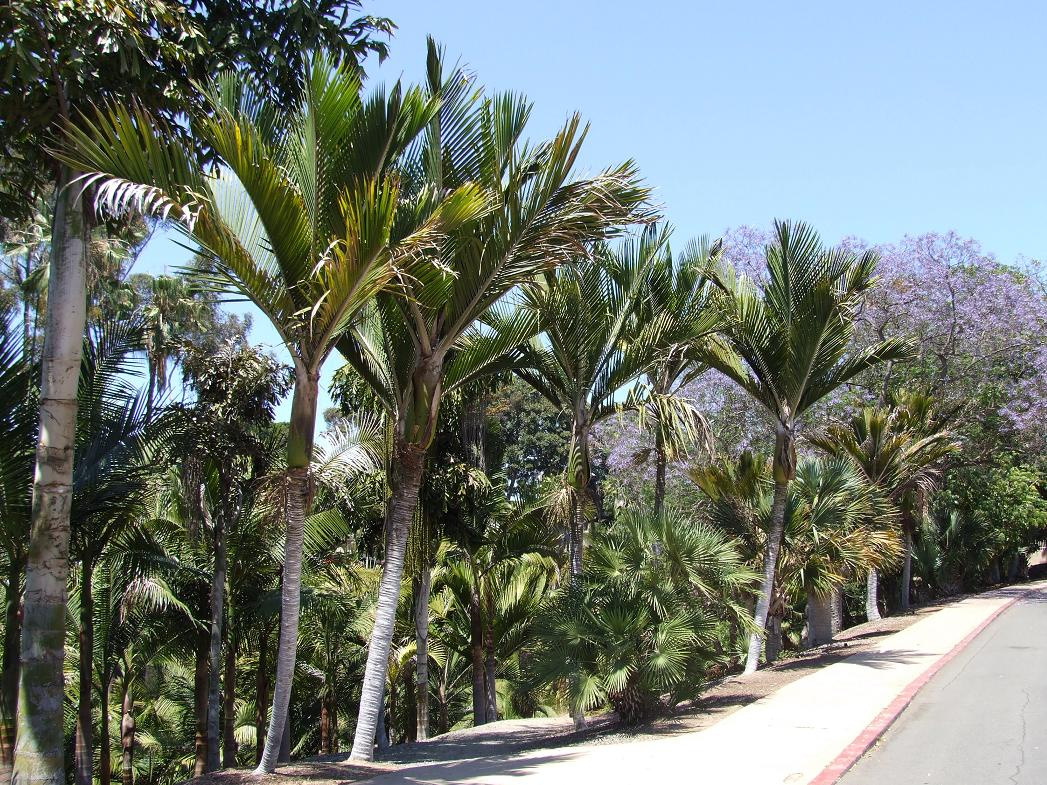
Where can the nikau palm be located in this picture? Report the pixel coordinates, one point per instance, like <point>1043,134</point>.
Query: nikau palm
<point>592,346</point>
<point>788,345</point>
<point>431,333</point>
<point>302,218</point>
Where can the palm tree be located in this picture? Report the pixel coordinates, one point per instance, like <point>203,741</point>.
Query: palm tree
<point>424,339</point>
<point>302,219</point>
<point>681,291</point>
<point>39,755</point>
<point>643,621</point>
<point>834,531</point>
<point>787,343</point>
<point>593,345</point>
<point>899,449</point>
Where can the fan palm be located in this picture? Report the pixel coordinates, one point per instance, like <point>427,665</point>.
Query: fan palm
<point>424,339</point>
<point>642,623</point>
<point>899,449</point>
<point>302,219</point>
<point>788,345</point>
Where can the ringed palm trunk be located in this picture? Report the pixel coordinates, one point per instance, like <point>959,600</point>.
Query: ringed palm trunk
<point>84,749</point>
<point>297,501</point>
<point>872,595</point>
<point>39,754</point>
<point>9,679</point>
<point>476,651</point>
<point>784,471</point>
<point>409,461</point>
<point>578,473</point>
<point>127,735</point>
<point>490,663</point>
<point>229,703</point>
<point>421,634</point>
<point>214,659</point>
<point>261,693</point>
<point>201,685</point>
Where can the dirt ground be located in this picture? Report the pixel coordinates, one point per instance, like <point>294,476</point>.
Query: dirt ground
<point>513,736</point>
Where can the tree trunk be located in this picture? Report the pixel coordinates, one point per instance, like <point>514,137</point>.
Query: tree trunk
<point>476,651</point>
<point>421,636</point>
<point>578,475</point>
<point>127,735</point>
<point>661,463</point>
<point>261,692</point>
<point>819,619</point>
<point>774,638</point>
<point>770,562</point>
<point>229,745</point>
<point>285,743</point>
<point>105,748</point>
<point>214,660</point>
<point>325,725</point>
<point>84,747</point>
<point>9,679</point>
<point>297,502</point>
<point>872,598</point>
<point>201,685</point>
<point>906,586</point>
<point>39,746</point>
<point>382,732</point>
<point>490,664</point>
<point>409,461</point>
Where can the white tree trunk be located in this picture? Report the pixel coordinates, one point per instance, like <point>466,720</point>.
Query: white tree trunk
<point>872,596</point>
<point>290,606</point>
<point>824,617</point>
<point>410,459</point>
<point>906,586</point>
<point>39,753</point>
<point>770,562</point>
<point>421,632</point>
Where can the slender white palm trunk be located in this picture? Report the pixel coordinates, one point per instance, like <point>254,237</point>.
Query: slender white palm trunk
<point>421,631</point>
<point>409,460</point>
<point>39,749</point>
<point>770,562</point>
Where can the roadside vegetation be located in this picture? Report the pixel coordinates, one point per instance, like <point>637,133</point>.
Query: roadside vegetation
<point>577,463</point>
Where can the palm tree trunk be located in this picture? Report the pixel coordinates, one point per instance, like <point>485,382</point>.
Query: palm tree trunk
<point>872,599</point>
<point>261,692</point>
<point>39,754</point>
<point>476,651</point>
<point>819,619</point>
<point>229,746</point>
<point>214,659</point>
<point>578,475</point>
<point>421,636</point>
<point>661,463</point>
<point>84,750</point>
<point>490,664</point>
<point>325,725</point>
<point>770,562</point>
<point>298,500</point>
<point>9,679</point>
<point>201,686</point>
<point>105,749</point>
<point>906,586</point>
<point>409,461</point>
<point>127,735</point>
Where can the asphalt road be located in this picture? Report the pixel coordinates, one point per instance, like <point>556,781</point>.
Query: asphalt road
<point>982,719</point>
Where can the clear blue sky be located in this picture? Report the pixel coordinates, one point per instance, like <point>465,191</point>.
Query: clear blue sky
<point>868,119</point>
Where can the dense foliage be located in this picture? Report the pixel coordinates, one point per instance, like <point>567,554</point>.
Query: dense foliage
<point>570,469</point>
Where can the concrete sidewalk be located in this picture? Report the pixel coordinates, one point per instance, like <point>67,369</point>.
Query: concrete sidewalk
<point>792,736</point>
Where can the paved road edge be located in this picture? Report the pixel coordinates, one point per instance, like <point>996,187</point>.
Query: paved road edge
<point>842,763</point>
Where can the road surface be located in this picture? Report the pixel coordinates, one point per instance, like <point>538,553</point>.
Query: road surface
<point>981,720</point>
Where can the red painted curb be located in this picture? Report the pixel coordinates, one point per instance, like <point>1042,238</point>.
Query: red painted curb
<point>853,751</point>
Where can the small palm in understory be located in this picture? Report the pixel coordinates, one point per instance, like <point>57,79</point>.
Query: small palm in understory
<point>639,632</point>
